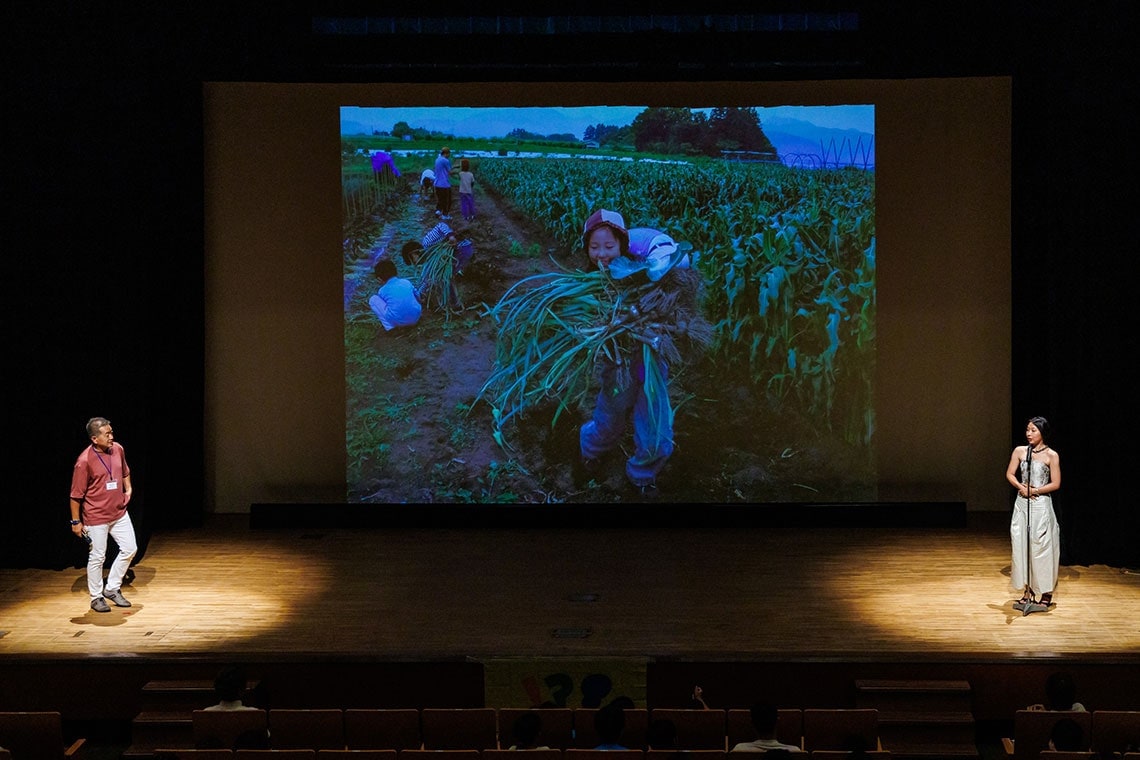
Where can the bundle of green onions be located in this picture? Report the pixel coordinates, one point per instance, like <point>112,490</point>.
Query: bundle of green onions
<point>554,327</point>
<point>437,273</point>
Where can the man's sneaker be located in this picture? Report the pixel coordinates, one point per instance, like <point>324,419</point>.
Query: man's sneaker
<point>99,605</point>
<point>117,598</point>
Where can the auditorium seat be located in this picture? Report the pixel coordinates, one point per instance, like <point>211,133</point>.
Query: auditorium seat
<point>1032,729</point>
<point>439,754</point>
<point>842,754</point>
<point>552,753</point>
<point>37,735</point>
<point>225,729</point>
<point>1114,731</point>
<point>696,729</point>
<point>459,728</point>
<point>840,728</point>
<point>182,753</point>
<point>579,753</point>
<point>356,754</point>
<point>314,728</point>
<point>557,725</point>
<point>687,754</point>
<point>789,726</point>
<point>1056,754</point>
<point>636,726</point>
<point>275,754</point>
<point>395,728</point>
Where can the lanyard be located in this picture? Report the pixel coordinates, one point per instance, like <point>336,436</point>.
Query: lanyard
<point>110,474</point>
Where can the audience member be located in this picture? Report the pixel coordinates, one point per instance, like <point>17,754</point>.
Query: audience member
<point>609,724</point>
<point>697,701</point>
<point>595,688</point>
<point>229,688</point>
<point>764,721</point>
<point>1060,693</point>
<point>1067,736</point>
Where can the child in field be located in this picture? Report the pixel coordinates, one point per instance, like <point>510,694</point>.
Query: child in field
<point>466,190</point>
<point>443,257</point>
<point>427,183</point>
<point>634,384</point>
<point>396,303</point>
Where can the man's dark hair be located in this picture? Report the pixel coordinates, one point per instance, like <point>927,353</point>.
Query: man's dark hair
<point>764,718</point>
<point>94,424</point>
<point>1061,691</point>
<point>229,686</point>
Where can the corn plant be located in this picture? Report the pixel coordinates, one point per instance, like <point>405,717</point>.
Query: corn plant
<point>788,258</point>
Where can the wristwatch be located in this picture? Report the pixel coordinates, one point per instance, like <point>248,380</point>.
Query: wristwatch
<point>74,522</point>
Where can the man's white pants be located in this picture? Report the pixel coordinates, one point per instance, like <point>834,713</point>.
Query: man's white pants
<point>124,534</point>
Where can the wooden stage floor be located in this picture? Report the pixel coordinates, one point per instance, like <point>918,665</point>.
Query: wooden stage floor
<point>892,594</point>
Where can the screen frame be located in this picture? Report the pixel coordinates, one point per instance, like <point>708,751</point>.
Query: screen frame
<point>274,336</point>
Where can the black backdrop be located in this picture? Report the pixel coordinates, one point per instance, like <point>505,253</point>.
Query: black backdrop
<point>103,143</point>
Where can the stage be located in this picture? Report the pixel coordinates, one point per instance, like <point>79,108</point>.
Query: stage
<point>387,616</point>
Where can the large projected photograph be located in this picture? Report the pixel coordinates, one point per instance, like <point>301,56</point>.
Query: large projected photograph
<point>609,304</point>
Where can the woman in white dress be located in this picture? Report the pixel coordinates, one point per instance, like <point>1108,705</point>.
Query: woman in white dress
<point>1035,536</point>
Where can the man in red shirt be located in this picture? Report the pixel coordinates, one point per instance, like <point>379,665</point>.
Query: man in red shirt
<point>100,492</point>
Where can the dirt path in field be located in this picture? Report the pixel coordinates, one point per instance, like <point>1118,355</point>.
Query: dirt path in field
<point>438,447</point>
<point>442,447</point>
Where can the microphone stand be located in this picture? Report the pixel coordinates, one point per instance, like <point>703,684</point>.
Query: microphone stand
<point>1028,554</point>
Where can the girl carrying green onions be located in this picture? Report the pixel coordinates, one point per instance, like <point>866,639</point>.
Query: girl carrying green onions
<point>661,309</point>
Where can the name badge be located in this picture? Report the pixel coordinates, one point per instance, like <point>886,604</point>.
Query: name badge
<point>112,485</point>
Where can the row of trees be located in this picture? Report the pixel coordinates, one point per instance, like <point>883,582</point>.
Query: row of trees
<point>679,131</point>
<point>687,132</point>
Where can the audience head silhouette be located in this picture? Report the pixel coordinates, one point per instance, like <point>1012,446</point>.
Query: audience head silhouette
<point>764,718</point>
<point>1067,736</point>
<point>609,723</point>
<point>526,730</point>
<point>1060,691</point>
<point>229,685</point>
